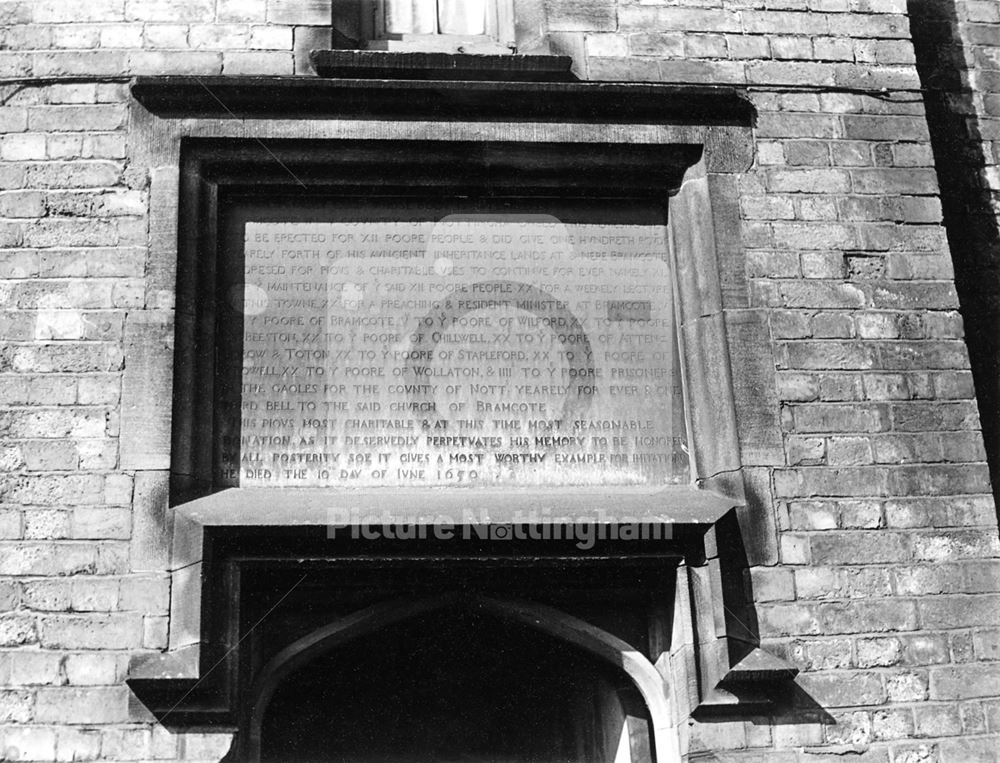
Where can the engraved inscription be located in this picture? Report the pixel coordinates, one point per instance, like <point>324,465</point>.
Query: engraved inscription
<point>474,350</point>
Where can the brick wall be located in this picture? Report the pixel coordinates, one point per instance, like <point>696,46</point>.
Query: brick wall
<point>886,593</point>
<point>956,46</point>
<point>884,582</point>
<point>977,30</point>
<point>50,38</point>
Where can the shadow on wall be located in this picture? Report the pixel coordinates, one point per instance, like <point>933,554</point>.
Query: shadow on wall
<point>969,218</point>
<point>789,704</point>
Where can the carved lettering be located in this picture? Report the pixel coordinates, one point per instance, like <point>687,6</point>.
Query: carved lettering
<point>500,351</point>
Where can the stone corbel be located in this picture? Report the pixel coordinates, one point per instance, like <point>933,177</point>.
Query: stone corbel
<point>734,673</point>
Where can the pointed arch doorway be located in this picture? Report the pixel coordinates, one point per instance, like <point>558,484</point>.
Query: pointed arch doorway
<point>460,678</point>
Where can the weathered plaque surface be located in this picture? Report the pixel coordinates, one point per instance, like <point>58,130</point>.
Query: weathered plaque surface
<point>472,350</point>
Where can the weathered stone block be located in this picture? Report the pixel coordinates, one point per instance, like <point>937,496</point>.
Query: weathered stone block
<point>868,616</point>
<point>93,631</point>
<point>964,682</point>
<point>169,10</point>
<point>75,706</point>
<point>16,629</point>
<point>844,689</point>
<point>257,62</point>
<point>772,584</point>
<point>878,652</point>
<point>92,669</point>
<point>25,743</point>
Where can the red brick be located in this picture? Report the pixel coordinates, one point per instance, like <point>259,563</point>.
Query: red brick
<point>832,418</point>
<point>873,547</point>
<point>968,750</point>
<point>816,653</point>
<point>811,481</point>
<point>843,689</point>
<point>825,355</point>
<point>964,682</point>
<point>878,652</point>
<point>90,631</point>
<point>49,11</point>
<point>169,10</point>
<point>957,611</point>
<point>77,706</point>
<point>823,181</point>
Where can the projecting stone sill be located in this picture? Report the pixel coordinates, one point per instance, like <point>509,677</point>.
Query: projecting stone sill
<point>380,64</point>
<point>442,99</point>
<point>672,505</point>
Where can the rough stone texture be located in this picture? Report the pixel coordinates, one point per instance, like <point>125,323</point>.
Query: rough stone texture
<point>886,593</point>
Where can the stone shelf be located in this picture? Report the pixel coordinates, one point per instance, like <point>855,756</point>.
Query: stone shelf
<point>441,99</point>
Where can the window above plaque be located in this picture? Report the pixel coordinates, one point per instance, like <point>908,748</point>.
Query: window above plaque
<point>402,342</point>
<point>442,26</point>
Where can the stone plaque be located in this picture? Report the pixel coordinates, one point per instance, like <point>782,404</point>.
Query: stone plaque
<point>468,350</point>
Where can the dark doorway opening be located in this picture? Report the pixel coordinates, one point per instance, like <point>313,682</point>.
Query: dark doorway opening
<point>457,685</point>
